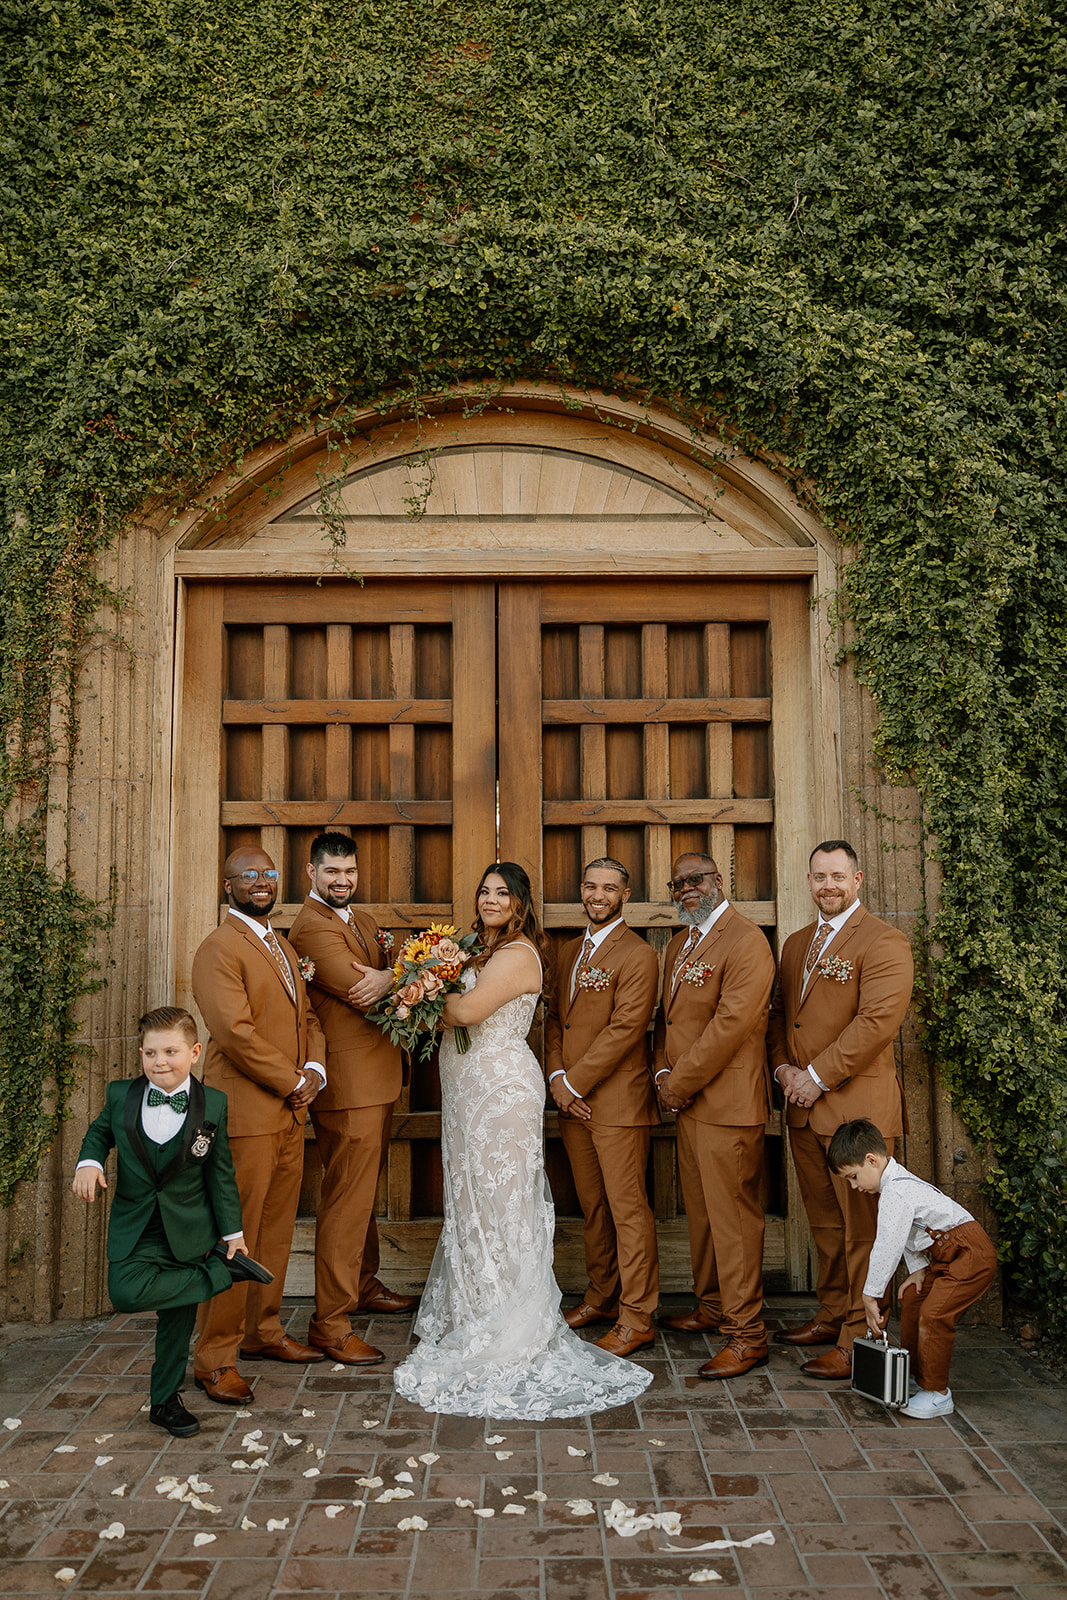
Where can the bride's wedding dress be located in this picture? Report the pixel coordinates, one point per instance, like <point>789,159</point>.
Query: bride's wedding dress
<point>493,1342</point>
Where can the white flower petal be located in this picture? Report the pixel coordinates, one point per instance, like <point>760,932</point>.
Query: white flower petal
<point>203,1538</point>
<point>657,1441</point>
<point>203,1505</point>
<point>334,1511</point>
<point>120,1492</point>
<point>312,1472</point>
<point>370,1483</point>
<point>514,1511</point>
<point>536,1494</point>
<point>509,1488</point>
<point>242,1413</point>
<point>428,1459</point>
<point>411,1462</point>
<point>372,1422</point>
<point>320,1455</point>
<point>581,1508</point>
<point>252,1436</point>
<point>307,1413</point>
<point>338,1366</point>
<point>66,1575</point>
<point>496,1438</point>
<point>239,1466</point>
<point>484,1511</point>
<point>198,1485</point>
<point>247,1526</point>
<point>469,1504</point>
<point>277,1524</point>
<point>503,1455</point>
<point>11,1423</point>
<point>572,1450</point>
<point>102,1438</point>
<point>64,1450</point>
<point>412,1524</point>
<point>403,1477</point>
<point>114,1530</point>
<point>102,1461</point>
<point>706,1575</point>
<point>256,1466</point>
<point>289,1439</point>
<point>606,1479</point>
<point>393,1494</point>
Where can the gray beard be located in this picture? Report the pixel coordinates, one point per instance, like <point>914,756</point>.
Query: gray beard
<point>694,918</point>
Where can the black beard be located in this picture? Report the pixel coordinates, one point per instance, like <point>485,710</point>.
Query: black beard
<point>247,909</point>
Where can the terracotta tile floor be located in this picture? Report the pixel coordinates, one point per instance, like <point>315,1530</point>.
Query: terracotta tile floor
<point>862,1504</point>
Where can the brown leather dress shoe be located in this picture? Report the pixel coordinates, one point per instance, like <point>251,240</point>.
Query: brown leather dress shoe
<point>623,1341</point>
<point>285,1349</point>
<point>351,1351</point>
<point>835,1363</point>
<point>225,1385</point>
<point>813,1332</point>
<point>689,1322</point>
<point>733,1359</point>
<point>384,1302</point>
<point>581,1316</point>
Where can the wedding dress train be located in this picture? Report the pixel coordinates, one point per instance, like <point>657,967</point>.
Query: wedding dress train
<point>492,1340</point>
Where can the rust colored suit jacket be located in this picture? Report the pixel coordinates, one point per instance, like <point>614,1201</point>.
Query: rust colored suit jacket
<point>600,1038</point>
<point>259,1040</point>
<point>364,1067</point>
<point>845,1030</point>
<point>712,1035</point>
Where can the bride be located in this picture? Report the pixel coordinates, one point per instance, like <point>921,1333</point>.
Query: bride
<point>493,1342</point>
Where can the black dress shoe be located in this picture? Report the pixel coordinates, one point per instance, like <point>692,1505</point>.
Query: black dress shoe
<point>173,1416</point>
<point>241,1268</point>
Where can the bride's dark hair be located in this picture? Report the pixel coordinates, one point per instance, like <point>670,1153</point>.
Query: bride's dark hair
<point>523,921</point>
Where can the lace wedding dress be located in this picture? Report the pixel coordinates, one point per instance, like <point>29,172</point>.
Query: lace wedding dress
<point>493,1342</point>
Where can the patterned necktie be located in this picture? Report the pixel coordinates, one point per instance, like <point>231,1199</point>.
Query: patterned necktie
<point>283,966</point>
<point>822,934</point>
<point>683,959</point>
<point>582,964</point>
<point>178,1102</point>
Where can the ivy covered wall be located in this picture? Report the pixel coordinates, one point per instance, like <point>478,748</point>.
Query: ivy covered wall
<point>835,231</point>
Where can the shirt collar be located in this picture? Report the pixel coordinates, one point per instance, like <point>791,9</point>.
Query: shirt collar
<point>259,928</point>
<point>170,1093</point>
<point>705,927</point>
<point>838,922</point>
<point>601,933</point>
<point>889,1172</point>
<point>345,915</point>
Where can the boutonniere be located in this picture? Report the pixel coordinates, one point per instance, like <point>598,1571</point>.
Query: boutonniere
<point>306,968</point>
<point>696,971</point>
<point>384,940</point>
<point>596,978</point>
<point>835,967</point>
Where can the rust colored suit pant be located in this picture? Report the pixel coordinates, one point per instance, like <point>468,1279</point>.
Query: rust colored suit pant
<point>352,1144</point>
<point>963,1264</point>
<point>269,1167</point>
<point>720,1169</point>
<point>621,1257</point>
<point>843,1224</point>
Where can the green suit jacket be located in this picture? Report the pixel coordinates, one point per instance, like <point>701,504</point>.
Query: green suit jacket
<point>198,1199</point>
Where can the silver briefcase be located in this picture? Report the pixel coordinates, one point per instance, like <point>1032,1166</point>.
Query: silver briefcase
<point>880,1370</point>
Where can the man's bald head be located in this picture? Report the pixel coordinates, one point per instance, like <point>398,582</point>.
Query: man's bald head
<point>244,879</point>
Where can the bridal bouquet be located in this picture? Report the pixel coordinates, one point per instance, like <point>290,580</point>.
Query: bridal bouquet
<point>426,971</point>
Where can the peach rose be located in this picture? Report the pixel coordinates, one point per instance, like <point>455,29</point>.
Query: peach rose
<point>411,993</point>
<point>448,952</point>
<point>431,985</point>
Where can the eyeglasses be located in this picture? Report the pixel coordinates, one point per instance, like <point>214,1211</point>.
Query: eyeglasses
<point>271,876</point>
<point>692,880</point>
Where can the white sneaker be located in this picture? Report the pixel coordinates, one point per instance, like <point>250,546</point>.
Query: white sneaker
<point>927,1404</point>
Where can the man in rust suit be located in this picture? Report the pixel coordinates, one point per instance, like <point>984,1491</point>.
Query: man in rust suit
<point>843,989</point>
<point>353,1114</point>
<point>266,1053</point>
<point>711,1070</point>
<point>597,1061</point>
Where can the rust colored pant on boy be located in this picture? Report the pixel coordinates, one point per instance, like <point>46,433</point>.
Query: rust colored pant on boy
<point>963,1264</point>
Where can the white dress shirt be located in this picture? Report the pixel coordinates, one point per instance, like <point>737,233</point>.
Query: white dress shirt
<point>344,912</point>
<point>259,928</point>
<point>908,1207</point>
<point>597,938</point>
<point>835,925</point>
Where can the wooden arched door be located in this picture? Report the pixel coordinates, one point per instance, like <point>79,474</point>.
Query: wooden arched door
<point>447,723</point>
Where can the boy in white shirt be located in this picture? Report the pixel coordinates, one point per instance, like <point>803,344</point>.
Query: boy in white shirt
<point>950,1257</point>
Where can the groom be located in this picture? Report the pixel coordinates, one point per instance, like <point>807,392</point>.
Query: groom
<point>597,1064</point>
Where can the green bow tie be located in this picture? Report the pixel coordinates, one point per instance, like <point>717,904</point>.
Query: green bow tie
<point>178,1102</point>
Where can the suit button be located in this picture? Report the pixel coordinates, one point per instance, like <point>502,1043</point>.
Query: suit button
<point>670,1024</point>
<point>796,1024</point>
<point>566,1024</point>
